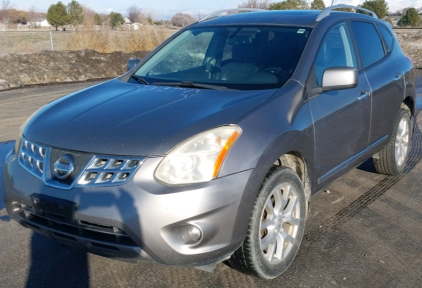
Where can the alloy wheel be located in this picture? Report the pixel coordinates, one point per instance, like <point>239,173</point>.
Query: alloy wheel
<point>279,223</point>
<point>402,141</point>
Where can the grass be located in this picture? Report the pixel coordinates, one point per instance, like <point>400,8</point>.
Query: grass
<point>126,41</point>
<point>103,41</point>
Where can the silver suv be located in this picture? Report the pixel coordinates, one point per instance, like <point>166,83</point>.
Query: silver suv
<point>211,147</point>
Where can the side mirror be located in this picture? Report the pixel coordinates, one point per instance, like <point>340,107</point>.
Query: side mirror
<point>338,78</point>
<point>132,63</point>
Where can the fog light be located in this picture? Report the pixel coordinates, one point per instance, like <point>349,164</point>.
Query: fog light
<point>194,233</point>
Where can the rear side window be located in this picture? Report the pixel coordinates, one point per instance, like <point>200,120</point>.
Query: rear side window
<point>369,43</point>
<point>388,38</point>
<point>335,51</point>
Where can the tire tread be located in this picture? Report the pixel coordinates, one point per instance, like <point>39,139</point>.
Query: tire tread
<point>385,162</point>
<point>244,258</point>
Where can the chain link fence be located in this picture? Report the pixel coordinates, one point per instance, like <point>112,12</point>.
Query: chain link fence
<point>105,41</point>
<point>29,42</point>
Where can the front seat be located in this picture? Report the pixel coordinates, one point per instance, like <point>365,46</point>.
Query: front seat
<point>238,69</point>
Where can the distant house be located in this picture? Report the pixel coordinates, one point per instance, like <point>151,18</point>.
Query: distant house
<point>127,21</point>
<point>133,26</point>
<point>45,24</point>
<point>40,23</point>
<point>136,26</point>
<point>36,22</point>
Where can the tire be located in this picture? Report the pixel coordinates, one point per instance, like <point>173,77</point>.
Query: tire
<point>260,254</point>
<point>392,159</point>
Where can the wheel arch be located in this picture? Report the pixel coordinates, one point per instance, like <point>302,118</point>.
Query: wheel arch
<point>297,162</point>
<point>409,103</point>
<point>283,150</point>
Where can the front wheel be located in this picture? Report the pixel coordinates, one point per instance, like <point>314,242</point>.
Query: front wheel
<point>392,159</point>
<point>276,227</point>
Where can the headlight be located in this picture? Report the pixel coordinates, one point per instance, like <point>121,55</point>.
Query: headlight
<point>18,144</point>
<point>199,158</point>
<point>21,128</point>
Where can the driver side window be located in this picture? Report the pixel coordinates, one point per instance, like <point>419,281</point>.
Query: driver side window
<point>335,51</point>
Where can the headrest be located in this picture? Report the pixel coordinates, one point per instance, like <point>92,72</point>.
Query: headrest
<point>240,40</point>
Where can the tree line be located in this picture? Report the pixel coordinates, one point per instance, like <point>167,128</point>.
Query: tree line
<point>409,16</point>
<point>76,14</point>
<point>10,15</point>
<point>60,15</point>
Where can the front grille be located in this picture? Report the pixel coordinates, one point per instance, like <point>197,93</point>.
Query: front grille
<point>103,171</point>
<point>89,170</point>
<point>32,157</point>
<point>87,230</point>
<point>79,160</point>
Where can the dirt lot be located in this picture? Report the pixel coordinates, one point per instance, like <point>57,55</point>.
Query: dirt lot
<point>365,232</point>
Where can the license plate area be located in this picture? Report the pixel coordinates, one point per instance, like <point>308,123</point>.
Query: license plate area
<point>53,208</point>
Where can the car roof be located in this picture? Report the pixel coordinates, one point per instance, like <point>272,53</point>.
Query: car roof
<point>276,17</point>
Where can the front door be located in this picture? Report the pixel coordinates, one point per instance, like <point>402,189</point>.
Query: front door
<point>341,117</point>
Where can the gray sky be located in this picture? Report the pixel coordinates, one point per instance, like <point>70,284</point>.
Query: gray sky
<point>167,8</point>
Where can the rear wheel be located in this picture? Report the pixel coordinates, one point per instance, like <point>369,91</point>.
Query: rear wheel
<point>392,159</point>
<point>276,227</point>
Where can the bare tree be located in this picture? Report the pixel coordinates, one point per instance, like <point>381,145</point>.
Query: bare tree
<point>261,4</point>
<point>134,14</point>
<point>182,19</point>
<point>89,15</point>
<point>149,16</point>
<point>105,20</point>
<point>31,15</point>
<point>5,11</point>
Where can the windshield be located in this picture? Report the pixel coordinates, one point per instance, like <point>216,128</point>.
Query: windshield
<point>236,57</point>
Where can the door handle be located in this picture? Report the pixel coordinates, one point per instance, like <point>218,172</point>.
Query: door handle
<point>398,76</point>
<point>364,96</point>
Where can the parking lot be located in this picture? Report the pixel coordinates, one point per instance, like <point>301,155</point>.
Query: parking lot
<point>363,231</point>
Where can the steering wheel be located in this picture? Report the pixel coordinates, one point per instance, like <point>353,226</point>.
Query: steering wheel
<point>277,72</point>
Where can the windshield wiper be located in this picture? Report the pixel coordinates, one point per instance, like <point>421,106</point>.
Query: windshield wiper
<point>191,84</point>
<point>140,79</point>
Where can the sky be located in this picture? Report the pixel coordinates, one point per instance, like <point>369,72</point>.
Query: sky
<point>165,9</point>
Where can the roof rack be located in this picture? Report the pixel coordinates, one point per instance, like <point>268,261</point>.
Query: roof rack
<point>216,14</point>
<point>327,11</point>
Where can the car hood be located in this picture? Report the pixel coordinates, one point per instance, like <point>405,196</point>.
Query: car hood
<point>131,119</point>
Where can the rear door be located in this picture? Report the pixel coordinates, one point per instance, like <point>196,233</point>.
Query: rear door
<point>383,72</point>
<point>341,117</point>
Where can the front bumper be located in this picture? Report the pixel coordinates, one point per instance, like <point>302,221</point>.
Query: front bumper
<point>140,220</point>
